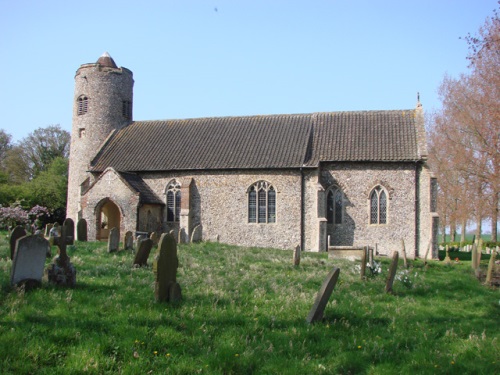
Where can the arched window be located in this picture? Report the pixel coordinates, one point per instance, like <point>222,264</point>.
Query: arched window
<point>82,105</point>
<point>378,206</point>
<point>261,203</point>
<point>173,201</point>
<point>127,109</point>
<point>334,205</point>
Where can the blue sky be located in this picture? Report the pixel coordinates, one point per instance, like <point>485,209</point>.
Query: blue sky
<point>228,57</point>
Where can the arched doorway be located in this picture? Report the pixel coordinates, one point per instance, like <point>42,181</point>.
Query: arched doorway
<point>107,217</point>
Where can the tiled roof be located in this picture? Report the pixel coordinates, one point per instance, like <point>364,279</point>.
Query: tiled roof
<point>261,142</point>
<point>146,195</point>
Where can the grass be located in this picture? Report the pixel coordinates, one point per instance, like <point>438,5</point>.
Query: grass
<point>243,312</point>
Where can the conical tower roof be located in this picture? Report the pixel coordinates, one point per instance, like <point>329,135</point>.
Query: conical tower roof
<point>107,61</point>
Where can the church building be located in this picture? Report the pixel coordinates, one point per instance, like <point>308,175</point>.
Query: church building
<point>316,180</point>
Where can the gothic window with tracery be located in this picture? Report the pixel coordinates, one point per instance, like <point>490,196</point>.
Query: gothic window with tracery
<point>82,105</point>
<point>173,201</point>
<point>378,206</point>
<point>261,203</point>
<point>335,203</point>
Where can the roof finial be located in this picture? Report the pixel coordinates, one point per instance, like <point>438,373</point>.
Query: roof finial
<point>107,61</point>
<point>418,100</point>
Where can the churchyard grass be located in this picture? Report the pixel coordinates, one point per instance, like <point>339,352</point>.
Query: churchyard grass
<point>243,312</point>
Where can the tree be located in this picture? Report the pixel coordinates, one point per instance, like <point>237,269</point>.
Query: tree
<point>34,153</point>
<point>468,126</point>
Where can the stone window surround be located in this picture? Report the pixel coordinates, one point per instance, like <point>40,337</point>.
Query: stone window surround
<point>388,197</point>
<point>82,105</point>
<point>174,187</point>
<point>259,186</point>
<point>332,190</point>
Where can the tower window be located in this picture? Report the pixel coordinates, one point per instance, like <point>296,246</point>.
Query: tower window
<point>127,109</point>
<point>82,105</point>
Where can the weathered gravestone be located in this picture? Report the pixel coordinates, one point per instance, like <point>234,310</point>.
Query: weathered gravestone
<point>296,256</point>
<point>165,269</point>
<point>392,272</point>
<point>474,263</point>
<point>113,240</point>
<point>81,230</point>
<point>61,271</point>
<point>48,227</point>
<point>447,258</point>
<point>155,238</point>
<point>140,237</point>
<point>183,236</point>
<point>491,266</point>
<point>143,249</point>
<point>196,234</point>
<point>128,241</point>
<point>323,296</point>
<point>16,234</point>
<point>29,261</point>
<point>69,224</point>
<point>363,263</point>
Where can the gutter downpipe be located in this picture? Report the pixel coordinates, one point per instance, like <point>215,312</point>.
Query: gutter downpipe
<point>302,213</point>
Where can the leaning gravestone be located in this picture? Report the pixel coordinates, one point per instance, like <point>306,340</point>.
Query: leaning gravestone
<point>323,296</point>
<point>70,231</point>
<point>29,261</point>
<point>491,266</point>
<point>113,240</point>
<point>16,234</point>
<point>61,271</point>
<point>296,256</point>
<point>392,272</point>
<point>81,230</point>
<point>165,269</point>
<point>128,241</point>
<point>196,234</point>
<point>48,227</point>
<point>363,263</point>
<point>143,249</point>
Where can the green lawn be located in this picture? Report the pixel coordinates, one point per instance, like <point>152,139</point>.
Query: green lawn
<point>243,312</point>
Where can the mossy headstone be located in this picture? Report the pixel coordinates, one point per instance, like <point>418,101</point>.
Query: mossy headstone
<point>165,269</point>
<point>143,249</point>
<point>113,240</point>
<point>296,256</point>
<point>70,231</point>
<point>128,241</point>
<point>81,230</point>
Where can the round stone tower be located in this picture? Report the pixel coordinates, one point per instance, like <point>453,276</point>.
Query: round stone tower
<point>102,103</point>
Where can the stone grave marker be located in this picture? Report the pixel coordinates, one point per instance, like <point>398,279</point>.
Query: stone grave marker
<point>81,230</point>
<point>155,238</point>
<point>323,296</point>
<point>29,261</point>
<point>474,264</point>
<point>392,272</point>
<point>143,249</point>
<point>140,237</point>
<point>296,256</point>
<point>491,266</point>
<point>113,240</point>
<point>16,234</point>
<point>196,234</point>
<point>128,241</point>
<point>427,252</point>
<point>447,259</point>
<point>70,231</point>
<point>165,269</point>
<point>48,227</point>
<point>61,271</point>
<point>363,263</point>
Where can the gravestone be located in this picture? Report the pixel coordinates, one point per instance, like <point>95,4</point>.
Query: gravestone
<point>427,252</point>
<point>447,259</point>
<point>296,256</point>
<point>155,238</point>
<point>143,249</point>
<point>363,263</point>
<point>113,240</point>
<point>81,230</point>
<point>183,237</point>
<point>48,227</point>
<point>491,266</point>
<point>128,241</point>
<point>392,272</point>
<point>196,234</point>
<point>61,271</point>
<point>70,231</point>
<point>323,296</point>
<point>16,234</point>
<point>140,237</point>
<point>474,264</point>
<point>165,269</point>
<point>29,261</point>
<point>405,262</point>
